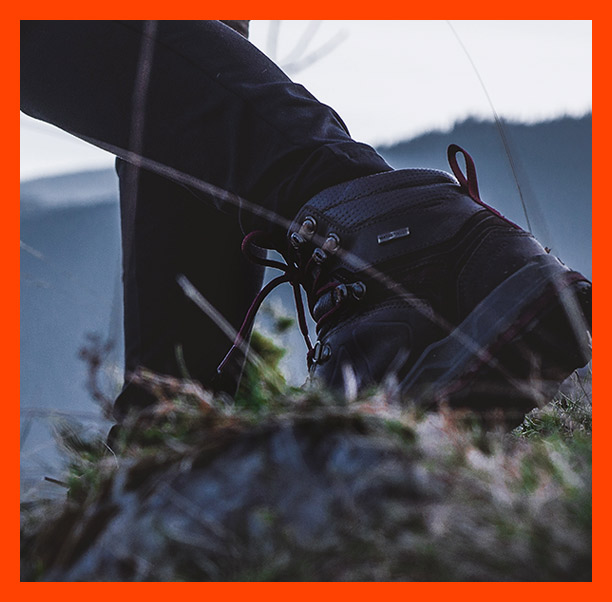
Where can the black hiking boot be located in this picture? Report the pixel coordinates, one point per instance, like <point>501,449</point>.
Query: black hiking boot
<point>411,277</point>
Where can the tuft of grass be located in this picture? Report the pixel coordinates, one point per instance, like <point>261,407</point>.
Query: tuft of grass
<point>567,416</point>
<point>258,387</point>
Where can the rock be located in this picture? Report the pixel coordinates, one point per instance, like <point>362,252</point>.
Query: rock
<point>298,498</point>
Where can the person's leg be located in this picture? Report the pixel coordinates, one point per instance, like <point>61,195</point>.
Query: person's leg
<point>166,233</point>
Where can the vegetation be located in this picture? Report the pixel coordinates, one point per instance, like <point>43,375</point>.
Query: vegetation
<point>502,505</point>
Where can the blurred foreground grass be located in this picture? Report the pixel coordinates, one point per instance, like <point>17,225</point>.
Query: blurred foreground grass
<point>507,505</point>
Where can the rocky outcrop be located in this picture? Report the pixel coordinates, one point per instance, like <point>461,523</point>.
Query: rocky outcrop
<point>326,496</point>
<point>297,498</point>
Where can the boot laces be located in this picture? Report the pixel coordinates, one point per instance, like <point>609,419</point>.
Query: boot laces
<point>307,277</point>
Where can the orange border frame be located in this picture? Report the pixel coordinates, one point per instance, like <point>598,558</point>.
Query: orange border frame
<point>602,212</point>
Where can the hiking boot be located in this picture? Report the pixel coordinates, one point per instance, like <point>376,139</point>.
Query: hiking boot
<point>412,279</point>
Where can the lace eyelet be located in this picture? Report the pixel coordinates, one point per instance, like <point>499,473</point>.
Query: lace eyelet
<point>308,228</point>
<point>332,243</point>
<point>296,240</point>
<point>358,290</point>
<point>321,353</point>
<point>319,256</point>
<point>339,293</point>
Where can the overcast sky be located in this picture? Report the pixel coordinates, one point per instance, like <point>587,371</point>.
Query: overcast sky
<point>391,80</point>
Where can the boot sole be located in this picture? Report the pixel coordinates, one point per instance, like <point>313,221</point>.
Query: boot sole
<point>515,348</point>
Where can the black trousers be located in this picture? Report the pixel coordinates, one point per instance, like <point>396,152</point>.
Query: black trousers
<point>214,141</point>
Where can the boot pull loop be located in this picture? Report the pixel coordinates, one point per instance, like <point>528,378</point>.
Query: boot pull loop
<point>469,183</point>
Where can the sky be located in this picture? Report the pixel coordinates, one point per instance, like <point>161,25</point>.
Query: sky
<point>393,80</point>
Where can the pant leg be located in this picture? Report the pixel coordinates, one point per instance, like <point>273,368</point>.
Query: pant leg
<point>166,232</point>
<point>194,99</point>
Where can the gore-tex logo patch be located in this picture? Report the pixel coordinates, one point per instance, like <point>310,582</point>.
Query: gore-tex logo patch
<point>394,235</point>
